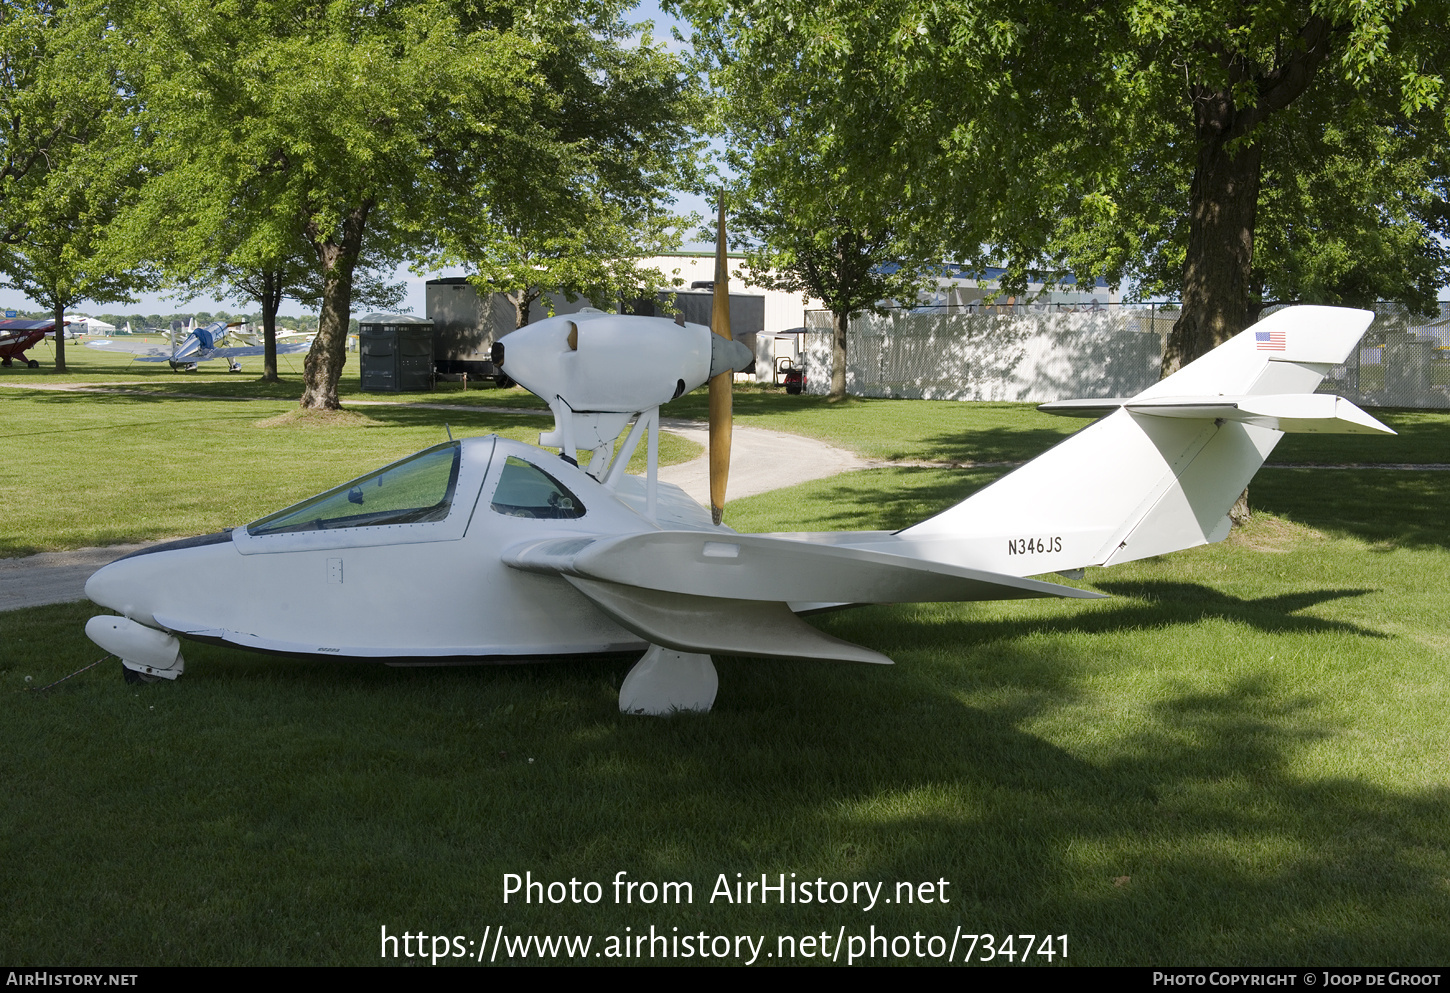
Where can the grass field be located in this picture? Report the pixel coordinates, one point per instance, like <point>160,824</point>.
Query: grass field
<point>1238,758</point>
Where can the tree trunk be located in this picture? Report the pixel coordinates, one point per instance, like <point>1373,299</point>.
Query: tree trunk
<point>1223,201</point>
<point>523,301</point>
<point>1217,271</point>
<point>271,303</point>
<point>1220,295</point>
<point>838,354</point>
<point>323,369</point>
<point>1217,287</point>
<point>59,313</point>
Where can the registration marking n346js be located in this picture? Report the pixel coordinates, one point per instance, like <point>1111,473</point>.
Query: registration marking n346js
<point>1034,546</point>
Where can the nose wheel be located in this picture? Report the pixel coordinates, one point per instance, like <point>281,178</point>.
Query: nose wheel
<point>134,678</point>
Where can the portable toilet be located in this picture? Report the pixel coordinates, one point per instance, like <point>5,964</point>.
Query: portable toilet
<point>395,353</point>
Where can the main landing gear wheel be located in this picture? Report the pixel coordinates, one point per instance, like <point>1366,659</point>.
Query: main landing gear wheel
<point>31,363</point>
<point>134,678</point>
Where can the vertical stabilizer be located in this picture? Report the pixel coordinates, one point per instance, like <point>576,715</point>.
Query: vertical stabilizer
<point>1161,471</point>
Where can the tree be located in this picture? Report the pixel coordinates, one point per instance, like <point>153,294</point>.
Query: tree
<point>316,124</point>
<point>815,213</point>
<point>369,131</point>
<point>56,86</point>
<point>593,252</point>
<point>1287,153</point>
<point>813,246</point>
<point>65,155</point>
<point>57,264</point>
<point>1152,139</point>
<point>621,109</point>
<point>271,280</point>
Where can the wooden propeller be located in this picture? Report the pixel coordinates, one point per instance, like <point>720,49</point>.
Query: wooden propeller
<point>720,386</point>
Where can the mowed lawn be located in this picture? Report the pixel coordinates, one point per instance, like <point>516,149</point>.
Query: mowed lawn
<point>1239,757</point>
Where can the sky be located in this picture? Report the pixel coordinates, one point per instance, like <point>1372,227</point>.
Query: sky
<point>167,303</point>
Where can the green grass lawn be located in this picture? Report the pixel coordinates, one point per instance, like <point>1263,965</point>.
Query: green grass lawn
<point>1238,758</point>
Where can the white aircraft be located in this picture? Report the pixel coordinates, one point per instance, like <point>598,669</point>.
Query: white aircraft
<point>200,345</point>
<point>490,550</point>
<point>255,335</point>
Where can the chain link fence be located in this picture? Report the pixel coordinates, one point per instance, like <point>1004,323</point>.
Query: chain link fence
<point>1035,354</point>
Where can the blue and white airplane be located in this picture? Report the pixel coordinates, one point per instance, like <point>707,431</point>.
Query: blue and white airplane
<point>198,346</point>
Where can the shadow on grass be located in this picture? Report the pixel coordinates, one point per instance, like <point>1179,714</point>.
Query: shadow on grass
<point>1186,603</point>
<point>300,805</point>
<point>1154,606</point>
<point>105,398</point>
<point>872,499</point>
<point>278,393</point>
<point>240,418</point>
<point>1392,508</point>
<point>999,444</point>
<point>401,415</point>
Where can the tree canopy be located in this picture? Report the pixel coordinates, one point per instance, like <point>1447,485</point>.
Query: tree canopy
<point>820,205</point>
<point>623,114</point>
<point>57,85</point>
<point>1228,151</point>
<point>375,132</point>
<point>67,155</point>
<point>1265,151</point>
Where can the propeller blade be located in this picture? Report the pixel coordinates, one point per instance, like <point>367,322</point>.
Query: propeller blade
<point>720,385</point>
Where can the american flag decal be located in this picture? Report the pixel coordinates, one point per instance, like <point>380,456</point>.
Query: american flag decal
<point>1269,341</point>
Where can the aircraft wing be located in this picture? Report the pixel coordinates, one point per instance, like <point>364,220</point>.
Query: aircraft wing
<point>242,351</point>
<point>153,351</point>
<point>160,353</point>
<point>729,594</point>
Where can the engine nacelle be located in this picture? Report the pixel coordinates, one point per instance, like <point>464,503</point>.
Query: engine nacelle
<point>610,362</point>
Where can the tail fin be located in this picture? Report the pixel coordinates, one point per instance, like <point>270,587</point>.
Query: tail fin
<point>1163,469</point>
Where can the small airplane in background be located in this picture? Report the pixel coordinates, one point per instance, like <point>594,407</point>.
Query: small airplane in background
<point>18,335</point>
<point>199,345</point>
<point>284,335</point>
<point>488,550</point>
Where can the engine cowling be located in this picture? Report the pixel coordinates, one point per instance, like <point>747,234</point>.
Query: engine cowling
<point>612,362</point>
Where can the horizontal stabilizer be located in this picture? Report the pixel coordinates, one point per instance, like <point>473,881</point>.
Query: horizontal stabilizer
<point>1293,413</point>
<point>766,567</point>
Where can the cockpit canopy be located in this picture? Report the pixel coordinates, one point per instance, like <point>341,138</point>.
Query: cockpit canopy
<point>416,490</point>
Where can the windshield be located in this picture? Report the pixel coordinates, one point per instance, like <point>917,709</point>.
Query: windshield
<point>413,491</point>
